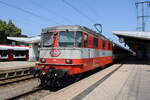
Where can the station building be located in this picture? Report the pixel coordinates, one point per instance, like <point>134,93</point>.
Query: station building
<point>137,41</point>
<point>34,45</point>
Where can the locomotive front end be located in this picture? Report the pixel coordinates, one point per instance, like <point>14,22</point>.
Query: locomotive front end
<point>59,58</point>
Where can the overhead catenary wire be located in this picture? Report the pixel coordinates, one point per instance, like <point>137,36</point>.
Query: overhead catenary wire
<point>50,11</point>
<point>77,10</point>
<point>29,12</point>
<point>92,9</point>
<point>98,16</point>
<point>81,13</point>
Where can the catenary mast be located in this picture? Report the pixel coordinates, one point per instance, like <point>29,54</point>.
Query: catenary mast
<point>142,17</point>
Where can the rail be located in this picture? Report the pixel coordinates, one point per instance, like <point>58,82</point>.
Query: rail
<point>7,74</point>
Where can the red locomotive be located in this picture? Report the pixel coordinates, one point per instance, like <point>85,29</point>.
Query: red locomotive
<point>72,50</point>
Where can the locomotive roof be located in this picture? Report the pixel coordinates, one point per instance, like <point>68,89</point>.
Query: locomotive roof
<point>72,28</point>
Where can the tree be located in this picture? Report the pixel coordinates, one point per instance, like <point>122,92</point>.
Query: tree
<point>2,31</point>
<point>8,29</point>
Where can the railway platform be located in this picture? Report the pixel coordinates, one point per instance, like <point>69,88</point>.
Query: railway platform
<point>124,81</point>
<point>15,69</point>
<point>7,65</point>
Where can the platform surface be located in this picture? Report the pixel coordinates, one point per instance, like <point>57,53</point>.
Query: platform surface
<point>130,82</point>
<point>8,65</point>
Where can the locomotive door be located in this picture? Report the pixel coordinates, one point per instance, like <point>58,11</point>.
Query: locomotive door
<point>91,57</point>
<point>89,53</point>
<point>86,41</point>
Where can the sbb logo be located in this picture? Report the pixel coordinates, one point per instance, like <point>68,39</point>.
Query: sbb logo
<point>55,53</point>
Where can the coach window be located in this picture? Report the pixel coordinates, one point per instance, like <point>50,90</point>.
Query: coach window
<point>95,43</point>
<point>103,44</point>
<point>78,39</point>
<point>85,40</point>
<point>4,53</point>
<point>0,52</point>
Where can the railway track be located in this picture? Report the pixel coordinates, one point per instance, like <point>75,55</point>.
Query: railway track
<point>28,89</point>
<point>24,88</point>
<point>14,73</point>
<point>9,81</point>
<point>32,94</point>
<point>16,88</point>
<point>28,95</point>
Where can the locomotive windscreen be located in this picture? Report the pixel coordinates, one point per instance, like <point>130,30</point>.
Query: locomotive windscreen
<point>47,39</point>
<point>70,39</point>
<point>66,39</point>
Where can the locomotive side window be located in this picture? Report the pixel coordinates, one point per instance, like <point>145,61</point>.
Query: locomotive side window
<point>85,40</point>
<point>47,39</point>
<point>78,39</point>
<point>109,45</point>
<point>95,43</point>
<point>103,44</point>
<point>66,39</point>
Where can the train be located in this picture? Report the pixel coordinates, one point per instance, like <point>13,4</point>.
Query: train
<point>12,52</point>
<point>72,50</point>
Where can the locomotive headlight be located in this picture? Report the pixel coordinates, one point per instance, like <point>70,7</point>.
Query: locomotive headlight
<point>43,60</point>
<point>42,66</point>
<point>68,61</point>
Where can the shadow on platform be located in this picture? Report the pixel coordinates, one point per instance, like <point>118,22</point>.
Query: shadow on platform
<point>134,60</point>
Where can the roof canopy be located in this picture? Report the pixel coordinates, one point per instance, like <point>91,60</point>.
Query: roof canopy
<point>35,39</point>
<point>133,34</point>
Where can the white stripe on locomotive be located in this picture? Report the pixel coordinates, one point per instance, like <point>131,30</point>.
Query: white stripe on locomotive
<point>75,53</point>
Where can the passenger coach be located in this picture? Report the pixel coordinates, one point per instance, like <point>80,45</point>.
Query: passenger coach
<point>10,53</point>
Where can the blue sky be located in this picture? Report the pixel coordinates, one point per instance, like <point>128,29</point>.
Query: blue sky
<point>113,14</point>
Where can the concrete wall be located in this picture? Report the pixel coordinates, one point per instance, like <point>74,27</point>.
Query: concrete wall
<point>34,52</point>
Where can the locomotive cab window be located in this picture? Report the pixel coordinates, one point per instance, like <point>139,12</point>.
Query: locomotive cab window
<point>78,39</point>
<point>95,43</point>
<point>66,39</point>
<point>47,39</point>
<point>85,40</point>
